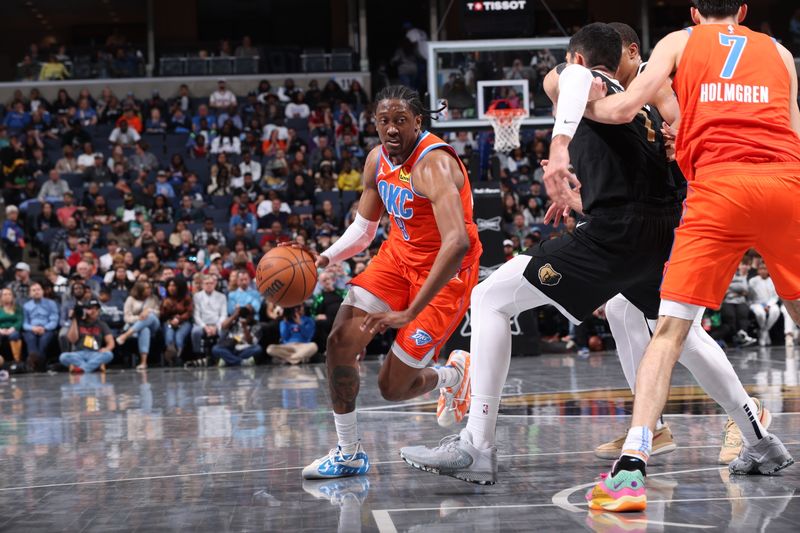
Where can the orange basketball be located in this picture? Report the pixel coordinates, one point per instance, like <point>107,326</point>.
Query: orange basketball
<point>286,276</point>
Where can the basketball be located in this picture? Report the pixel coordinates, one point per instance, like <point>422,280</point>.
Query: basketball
<point>286,276</point>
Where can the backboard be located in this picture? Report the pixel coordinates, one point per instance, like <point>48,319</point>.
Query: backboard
<point>470,74</point>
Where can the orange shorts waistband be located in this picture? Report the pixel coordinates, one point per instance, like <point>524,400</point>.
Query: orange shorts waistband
<point>750,169</point>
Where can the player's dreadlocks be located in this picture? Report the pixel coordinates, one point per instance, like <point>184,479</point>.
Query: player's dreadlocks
<point>411,97</point>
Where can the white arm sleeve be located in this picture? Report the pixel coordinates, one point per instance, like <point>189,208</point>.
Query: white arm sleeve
<point>574,85</point>
<point>355,239</point>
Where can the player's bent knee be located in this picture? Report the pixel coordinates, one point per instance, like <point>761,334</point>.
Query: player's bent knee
<point>391,391</point>
<point>340,345</point>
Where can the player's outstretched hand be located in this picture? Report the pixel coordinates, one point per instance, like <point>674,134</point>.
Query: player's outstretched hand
<point>555,213</point>
<point>379,322</point>
<point>670,134</point>
<point>320,261</point>
<point>598,90</point>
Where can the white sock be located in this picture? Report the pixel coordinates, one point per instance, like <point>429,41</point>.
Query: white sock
<point>347,430</point>
<point>638,443</point>
<point>746,417</point>
<point>713,371</point>
<point>660,424</point>
<point>449,376</point>
<point>482,420</point>
<point>494,301</point>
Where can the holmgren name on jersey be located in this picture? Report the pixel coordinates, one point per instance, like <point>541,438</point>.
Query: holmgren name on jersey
<point>734,92</point>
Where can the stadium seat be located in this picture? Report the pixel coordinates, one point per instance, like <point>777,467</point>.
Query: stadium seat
<point>75,181</point>
<point>222,202</point>
<point>166,227</point>
<point>348,197</point>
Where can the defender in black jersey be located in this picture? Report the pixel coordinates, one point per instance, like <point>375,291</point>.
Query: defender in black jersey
<point>631,208</point>
<point>628,199</point>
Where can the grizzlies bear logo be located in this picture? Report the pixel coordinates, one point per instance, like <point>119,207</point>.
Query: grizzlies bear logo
<point>548,275</point>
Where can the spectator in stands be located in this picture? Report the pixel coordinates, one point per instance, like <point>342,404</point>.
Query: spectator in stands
<point>86,159</point>
<point>222,98</point>
<point>764,303</point>
<point>207,232</point>
<point>85,271</point>
<point>161,212</point>
<point>38,164</point>
<point>327,300</point>
<point>176,312</point>
<point>11,326</point>
<point>39,325</point>
<point>143,159</point>
<point>53,70</point>
<point>123,134</point>
<point>240,339</point>
<point>297,108</point>
<point>70,209</point>
<point>242,294</point>
<point>141,320</point>
<point>27,69</point>
<point>227,141</point>
<point>249,165</point>
<point>67,164</point>
<point>297,332</point>
<point>54,189</point>
<point>735,313</point>
<point>91,336</point>
<point>210,310</point>
<point>349,178</point>
<point>179,122</point>
<point>99,172</point>
<point>300,190</point>
<point>155,124</point>
<point>163,186</point>
<point>243,216</point>
<point>13,236</point>
<point>17,119</point>
<point>202,114</point>
<point>246,49</point>
<point>85,113</point>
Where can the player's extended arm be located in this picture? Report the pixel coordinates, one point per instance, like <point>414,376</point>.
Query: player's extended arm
<point>438,178</point>
<point>621,108</point>
<point>794,111</point>
<point>362,231</point>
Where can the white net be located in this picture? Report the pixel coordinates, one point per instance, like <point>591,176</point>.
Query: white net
<point>506,125</point>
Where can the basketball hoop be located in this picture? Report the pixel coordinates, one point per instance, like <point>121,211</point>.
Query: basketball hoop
<point>505,122</point>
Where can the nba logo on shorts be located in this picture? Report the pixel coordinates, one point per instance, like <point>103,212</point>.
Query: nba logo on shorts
<point>421,337</point>
<point>485,409</point>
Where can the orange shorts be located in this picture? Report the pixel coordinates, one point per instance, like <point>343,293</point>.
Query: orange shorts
<point>730,208</point>
<point>396,283</point>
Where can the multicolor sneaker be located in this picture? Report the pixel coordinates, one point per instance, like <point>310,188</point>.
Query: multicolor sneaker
<point>455,457</point>
<point>732,435</point>
<point>663,442</point>
<point>454,401</point>
<point>620,493</point>
<point>765,457</point>
<point>338,464</point>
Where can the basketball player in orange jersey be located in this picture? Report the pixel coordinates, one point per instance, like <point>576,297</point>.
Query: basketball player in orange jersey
<point>419,282</point>
<point>739,148</point>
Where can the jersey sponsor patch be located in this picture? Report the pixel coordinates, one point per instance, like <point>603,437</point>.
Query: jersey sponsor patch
<point>548,275</point>
<point>421,337</point>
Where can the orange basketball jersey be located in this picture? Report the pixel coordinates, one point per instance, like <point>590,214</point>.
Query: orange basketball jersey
<point>733,90</point>
<point>415,236</point>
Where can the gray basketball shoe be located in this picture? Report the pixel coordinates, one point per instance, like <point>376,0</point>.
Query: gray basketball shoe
<point>765,457</point>
<point>455,457</point>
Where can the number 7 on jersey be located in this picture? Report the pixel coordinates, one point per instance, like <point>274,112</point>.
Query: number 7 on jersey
<point>736,43</point>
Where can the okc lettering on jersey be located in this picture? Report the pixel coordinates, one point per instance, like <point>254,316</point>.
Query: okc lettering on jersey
<point>395,198</point>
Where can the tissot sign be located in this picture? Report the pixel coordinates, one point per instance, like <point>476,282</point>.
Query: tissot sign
<point>501,18</point>
<point>497,6</point>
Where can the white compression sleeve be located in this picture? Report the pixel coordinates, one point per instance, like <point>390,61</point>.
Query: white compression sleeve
<point>354,239</point>
<point>574,85</point>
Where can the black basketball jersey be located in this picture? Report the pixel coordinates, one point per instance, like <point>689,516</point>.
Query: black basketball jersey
<point>620,164</point>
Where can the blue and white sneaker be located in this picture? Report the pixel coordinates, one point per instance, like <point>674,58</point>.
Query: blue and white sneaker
<point>338,464</point>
